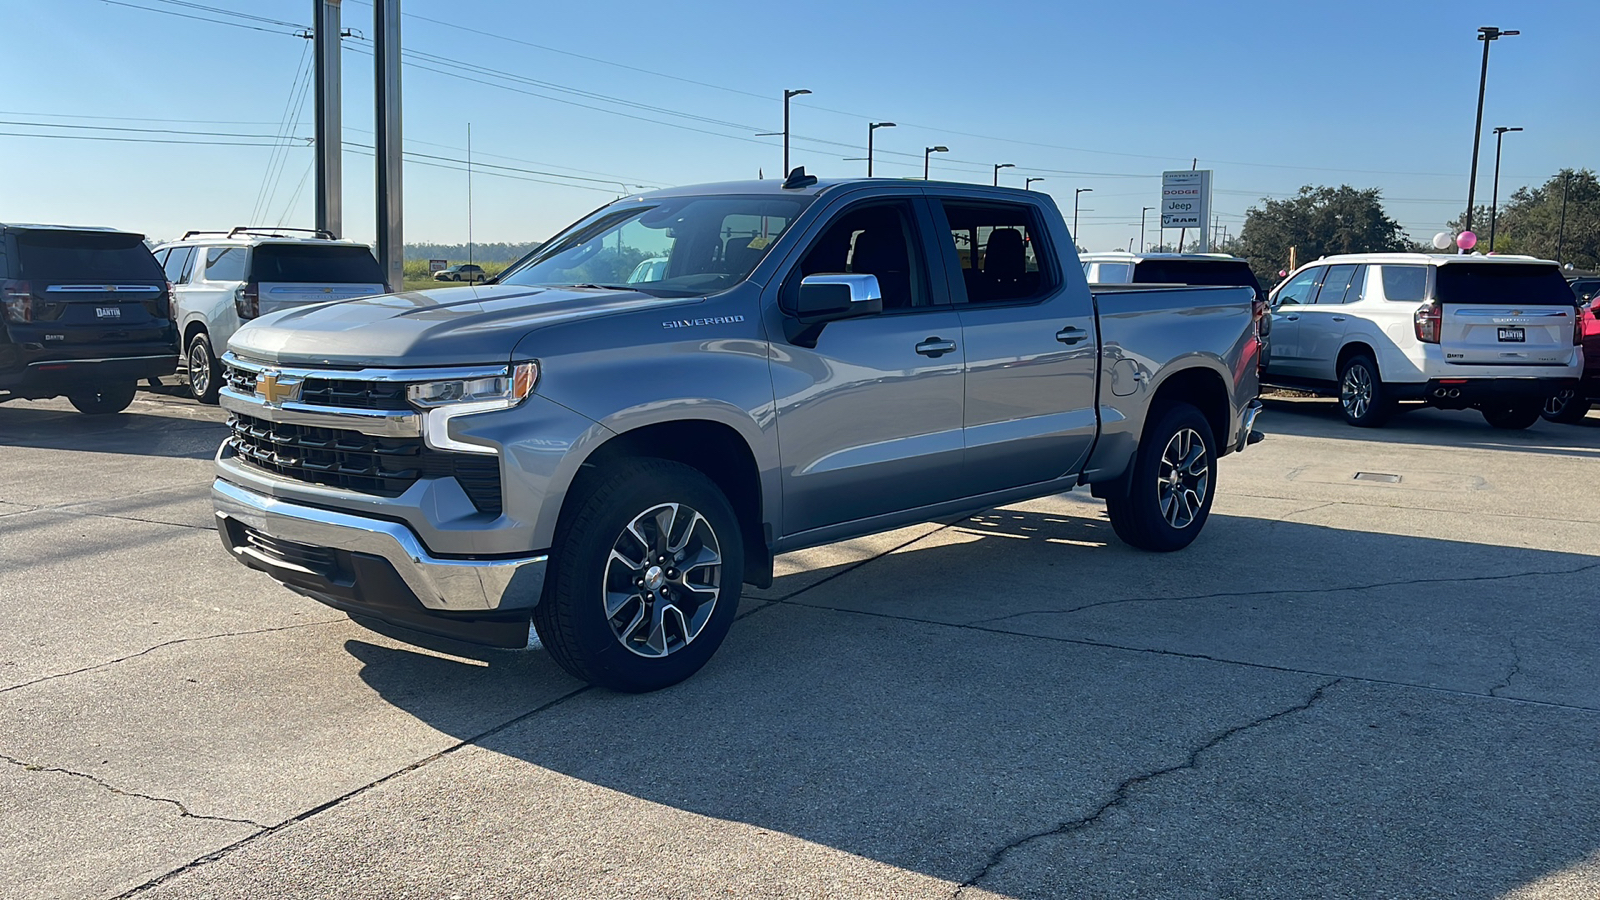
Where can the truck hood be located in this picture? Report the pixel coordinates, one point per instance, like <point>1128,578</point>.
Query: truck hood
<point>442,327</point>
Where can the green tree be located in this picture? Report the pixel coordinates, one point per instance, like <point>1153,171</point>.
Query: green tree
<point>1318,221</point>
<point>1529,221</point>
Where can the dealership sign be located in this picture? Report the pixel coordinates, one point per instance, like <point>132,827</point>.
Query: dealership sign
<point>1186,198</point>
<point>438,265</point>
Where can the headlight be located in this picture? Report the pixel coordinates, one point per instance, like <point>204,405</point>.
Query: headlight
<point>441,401</point>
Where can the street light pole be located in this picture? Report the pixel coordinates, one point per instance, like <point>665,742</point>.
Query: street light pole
<point>998,167</point>
<point>1076,192</point>
<point>871,127</point>
<point>1487,34</point>
<point>927,154</point>
<point>1141,225</point>
<point>1027,183</point>
<point>1494,202</point>
<point>786,95</point>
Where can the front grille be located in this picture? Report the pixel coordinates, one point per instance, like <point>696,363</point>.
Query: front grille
<point>340,393</point>
<point>383,466</point>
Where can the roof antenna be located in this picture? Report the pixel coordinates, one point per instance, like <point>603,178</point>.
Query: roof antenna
<point>798,179</point>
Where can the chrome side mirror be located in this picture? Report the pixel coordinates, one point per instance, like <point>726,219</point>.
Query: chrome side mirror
<point>826,298</point>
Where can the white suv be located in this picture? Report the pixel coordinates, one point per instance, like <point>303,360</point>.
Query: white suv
<point>1499,334</point>
<point>221,280</point>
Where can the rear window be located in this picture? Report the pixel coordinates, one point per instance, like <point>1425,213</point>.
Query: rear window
<point>85,256</point>
<point>309,263</point>
<point>1502,283</point>
<point>1229,273</point>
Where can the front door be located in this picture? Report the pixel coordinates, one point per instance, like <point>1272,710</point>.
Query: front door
<point>1031,348</point>
<point>1288,307</point>
<point>869,420</point>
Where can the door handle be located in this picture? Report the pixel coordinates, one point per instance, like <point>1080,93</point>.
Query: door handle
<point>935,347</point>
<point>1071,335</point>
<point>1338,318</point>
<point>1292,317</point>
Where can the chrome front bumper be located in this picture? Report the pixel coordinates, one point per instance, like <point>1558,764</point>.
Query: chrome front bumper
<point>443,585</point>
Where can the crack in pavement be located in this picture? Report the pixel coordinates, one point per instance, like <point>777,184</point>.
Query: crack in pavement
<point>122,792</point>
<point>1516,667</point>
<point>171,643</point>
<point>349,795</point>
<point>1282,591</point>
<point>1124,791</point>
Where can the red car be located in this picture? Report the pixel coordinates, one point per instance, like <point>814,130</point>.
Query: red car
<point>1571,406</point>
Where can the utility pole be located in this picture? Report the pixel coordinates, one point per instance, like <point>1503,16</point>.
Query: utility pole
<point>1494,202</point>
<point>469,193</point>
<point>1488,34</point>
<point>787,95</point>
<point>871,127</point>
<point>387,139</point>
<point>329,128</point>
<point>1561,234</point>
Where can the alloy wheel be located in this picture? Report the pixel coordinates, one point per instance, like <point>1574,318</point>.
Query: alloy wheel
<point>1183,478</point>
<point>199,369</point>
<point>662,580</point>
<point>1558,403</point>
<point>1355,392</point>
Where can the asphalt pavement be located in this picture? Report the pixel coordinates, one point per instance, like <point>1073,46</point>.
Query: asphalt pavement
<point>1347,688</point>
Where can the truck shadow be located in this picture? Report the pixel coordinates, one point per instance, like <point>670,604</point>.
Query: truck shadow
<point>142,430</point>
<point>1018,672</point>
<point>1442,428</point>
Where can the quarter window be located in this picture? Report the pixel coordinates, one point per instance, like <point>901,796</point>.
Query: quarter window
<point>1405,283</point>
<point>226,263</point>
<point>1000,252</point>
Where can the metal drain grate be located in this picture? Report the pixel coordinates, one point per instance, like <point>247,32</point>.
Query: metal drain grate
<point>1379,477</point>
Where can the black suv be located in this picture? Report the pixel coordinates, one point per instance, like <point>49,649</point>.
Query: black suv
<point>85,313</point>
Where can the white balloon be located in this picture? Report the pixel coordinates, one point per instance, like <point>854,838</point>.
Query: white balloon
<point>1444,240</point>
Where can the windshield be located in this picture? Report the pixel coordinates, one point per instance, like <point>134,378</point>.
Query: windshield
<point>676,247</point>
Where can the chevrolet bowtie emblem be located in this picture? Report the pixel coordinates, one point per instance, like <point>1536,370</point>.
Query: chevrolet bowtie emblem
<point>277,389</point>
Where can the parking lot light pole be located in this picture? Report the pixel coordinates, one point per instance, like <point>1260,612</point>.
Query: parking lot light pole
<point>1487,34</point>
<point>387,140</point>
<point>928,153</point>
<point>1027,183</point>
<point>1141,226</point>
<point>787,95</point>
<point>998,167</point>
<point>1076,192</point>
<point>1494,201</point>
<point>871,127</point>
<point>329,141</point>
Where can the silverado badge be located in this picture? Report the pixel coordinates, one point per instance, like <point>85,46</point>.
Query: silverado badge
<point>276,389</point>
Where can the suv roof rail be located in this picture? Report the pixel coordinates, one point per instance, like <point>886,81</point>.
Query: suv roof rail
<point>265,229</point>
<point>197,232</point>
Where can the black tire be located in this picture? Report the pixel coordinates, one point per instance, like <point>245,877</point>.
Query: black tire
<point>105,399</point>
<point>1567,408</point>
<point>615,646</point>
<point>1157,511</point>
<point>205,373</point>
<point>1363,398</point>
<point>1513,416</point>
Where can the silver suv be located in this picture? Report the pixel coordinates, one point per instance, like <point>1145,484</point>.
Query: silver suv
<point>222,279</point>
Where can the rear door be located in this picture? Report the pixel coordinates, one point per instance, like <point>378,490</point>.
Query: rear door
<point>1505,314</point>
<point>294,274</point>
<point>73,289</point>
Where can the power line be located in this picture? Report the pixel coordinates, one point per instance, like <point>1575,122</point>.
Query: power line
<point>170,12</point>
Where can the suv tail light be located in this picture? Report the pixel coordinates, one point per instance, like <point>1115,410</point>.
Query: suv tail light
<point>18,299</point>
<point>248,301</point>
<point>1428,320</point>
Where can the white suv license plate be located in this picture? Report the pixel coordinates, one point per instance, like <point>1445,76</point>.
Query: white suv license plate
<point>1513,335</point>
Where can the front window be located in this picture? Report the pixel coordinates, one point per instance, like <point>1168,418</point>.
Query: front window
<point>675,247</point>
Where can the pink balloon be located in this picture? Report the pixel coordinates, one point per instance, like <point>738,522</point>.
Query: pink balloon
<point>1282,273</point>
<point>1466,240</point>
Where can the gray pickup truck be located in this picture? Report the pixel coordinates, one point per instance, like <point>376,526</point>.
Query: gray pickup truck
<point>613,457</point>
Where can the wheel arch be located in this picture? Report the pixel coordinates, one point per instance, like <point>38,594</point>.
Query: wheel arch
<point>1355,348</point>
<point>715,449</point>
<point>1203,388</point>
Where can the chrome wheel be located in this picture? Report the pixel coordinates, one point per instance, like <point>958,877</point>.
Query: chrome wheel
<point>1183,478</point>
<point>662,580</point>
<point>1557,404</point>
<point>1355,391</point>
<point>199,369</point>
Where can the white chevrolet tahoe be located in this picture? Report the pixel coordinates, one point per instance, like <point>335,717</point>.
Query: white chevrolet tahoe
<point>1499,334</point>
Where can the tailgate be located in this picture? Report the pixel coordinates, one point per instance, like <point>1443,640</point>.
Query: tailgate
<point>1504,313</point>
<point>277,296</point>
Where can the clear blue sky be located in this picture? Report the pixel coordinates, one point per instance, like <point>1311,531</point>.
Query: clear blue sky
<point>1270,95</point>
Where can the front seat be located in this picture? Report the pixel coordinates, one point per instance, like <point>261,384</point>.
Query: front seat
<point>881,251</point>
<point>1005,264</point>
